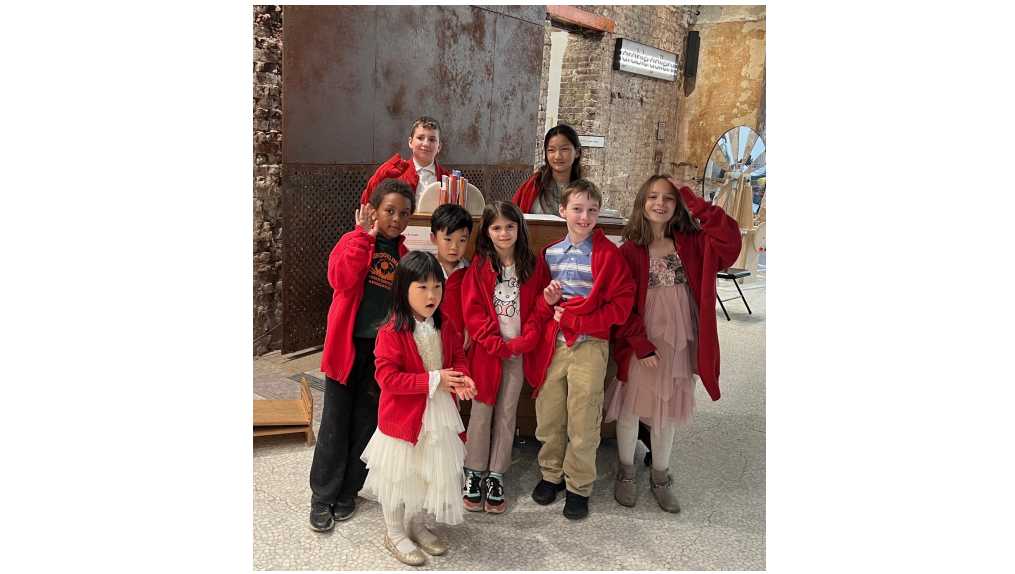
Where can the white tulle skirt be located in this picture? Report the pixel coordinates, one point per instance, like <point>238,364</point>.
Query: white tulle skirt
<point>425,477</point>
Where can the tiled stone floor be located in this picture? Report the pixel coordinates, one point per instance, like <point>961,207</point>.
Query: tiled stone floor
<point>718,465</point>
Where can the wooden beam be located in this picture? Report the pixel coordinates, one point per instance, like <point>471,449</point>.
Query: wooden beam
<point>572,15</point>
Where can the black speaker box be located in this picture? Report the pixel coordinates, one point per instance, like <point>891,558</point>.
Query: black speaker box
<point>691,63</point>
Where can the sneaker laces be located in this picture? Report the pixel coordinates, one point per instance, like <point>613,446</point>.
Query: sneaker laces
<point>496,489</point>
<point>473,486</point>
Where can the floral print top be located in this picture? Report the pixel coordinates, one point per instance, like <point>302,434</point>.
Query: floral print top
<point>665,271</point>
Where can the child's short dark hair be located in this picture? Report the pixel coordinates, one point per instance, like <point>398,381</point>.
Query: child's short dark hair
<point>581,186</point>
<point>427,123</point>
<point>392,186</point>
<point>449,218</point>
<point>414,266</point>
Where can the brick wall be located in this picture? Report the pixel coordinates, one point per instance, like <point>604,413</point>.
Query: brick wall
<point>623,107</point>
<point>267,161</point>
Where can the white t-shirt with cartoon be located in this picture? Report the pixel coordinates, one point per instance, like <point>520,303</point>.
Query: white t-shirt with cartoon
<point>505,304</point>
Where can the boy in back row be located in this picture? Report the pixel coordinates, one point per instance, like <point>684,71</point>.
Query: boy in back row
<point>591,290</point>
<point>418,171</point>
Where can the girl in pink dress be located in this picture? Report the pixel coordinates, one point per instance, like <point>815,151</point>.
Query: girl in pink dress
<point>672,242</point>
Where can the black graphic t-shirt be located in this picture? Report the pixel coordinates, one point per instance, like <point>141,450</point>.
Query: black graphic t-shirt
<point>377,287</point>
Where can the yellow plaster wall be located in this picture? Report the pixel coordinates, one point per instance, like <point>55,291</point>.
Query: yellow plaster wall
<point>727,89</point>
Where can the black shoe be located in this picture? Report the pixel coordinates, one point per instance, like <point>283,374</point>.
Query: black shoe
<point>320,517</point>
<point>546,492</point>
<point>575,506</point>
<point>472,499</point>
<point>344,508</point>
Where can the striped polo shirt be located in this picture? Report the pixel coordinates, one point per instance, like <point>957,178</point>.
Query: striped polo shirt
<point>572,266</point>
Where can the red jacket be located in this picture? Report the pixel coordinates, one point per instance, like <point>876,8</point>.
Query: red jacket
<point>609,303</point>
<point>405,382</point>
<point>398,168</point>
<point>703,254</point>
<point>451,306</point>
<point>488,346</point>
<point>527,193</point>
<point>347,271</point>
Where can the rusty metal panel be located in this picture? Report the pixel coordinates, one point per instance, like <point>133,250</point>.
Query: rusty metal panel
<point>531,14</point>
<point>328,84</point>
<point>518,58</point>
<point>435,61</point>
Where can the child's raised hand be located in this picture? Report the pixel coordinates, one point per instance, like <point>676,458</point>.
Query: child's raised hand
<point>365,219</point>
<point>553,292</point>
<point>651,361</point>
<point>558,312</point>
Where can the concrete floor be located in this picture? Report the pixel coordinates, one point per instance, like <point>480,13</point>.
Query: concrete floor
<point>718,466</point>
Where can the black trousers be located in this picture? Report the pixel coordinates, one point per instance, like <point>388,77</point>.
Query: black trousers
<point>347,423</point>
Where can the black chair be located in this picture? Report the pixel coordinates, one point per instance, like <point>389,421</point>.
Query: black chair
<point>732,273</point>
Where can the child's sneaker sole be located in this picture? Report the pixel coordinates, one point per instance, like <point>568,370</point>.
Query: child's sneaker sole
<point>495,509</point>
<point>472,507</point>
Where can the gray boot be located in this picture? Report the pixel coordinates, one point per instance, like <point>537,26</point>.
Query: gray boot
<point>662,488</point>
<point>625,491</point>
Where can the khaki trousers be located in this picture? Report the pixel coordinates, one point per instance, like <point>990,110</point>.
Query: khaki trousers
<point>479,453</point>
<point>569,413</point>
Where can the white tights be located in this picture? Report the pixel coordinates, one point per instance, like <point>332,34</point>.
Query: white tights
<point>394,520</point>
<point>627,438</point>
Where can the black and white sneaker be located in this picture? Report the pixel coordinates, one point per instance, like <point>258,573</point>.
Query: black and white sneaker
<point>494,495</point>
<point>473,491</point>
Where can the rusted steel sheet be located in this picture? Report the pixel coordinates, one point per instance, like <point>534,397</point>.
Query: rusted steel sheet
<point>441,67</point>
<point>535,14</point>
<point>328,84</point>
<point>518,59</point>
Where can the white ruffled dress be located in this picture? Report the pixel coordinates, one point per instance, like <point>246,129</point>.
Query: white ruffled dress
<point>427,476</point>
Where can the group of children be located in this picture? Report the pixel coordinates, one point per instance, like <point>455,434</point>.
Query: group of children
<point>410,334</point>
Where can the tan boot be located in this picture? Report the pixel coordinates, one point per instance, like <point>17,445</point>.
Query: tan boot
<point>662,488</point>
<point>625,491</point>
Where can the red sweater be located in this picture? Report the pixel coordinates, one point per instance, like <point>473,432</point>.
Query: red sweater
<point>398,168</point>
<point>451,305</point>
<point>703,254</point>
<point>405,382</point>
<point>609,303</point>
<point>527,193</point>
<point>488,346</point>
<point>347,271</point>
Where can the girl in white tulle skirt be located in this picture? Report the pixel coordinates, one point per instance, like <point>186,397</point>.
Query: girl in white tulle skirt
<point>674,242</point>
<point>415,456</point>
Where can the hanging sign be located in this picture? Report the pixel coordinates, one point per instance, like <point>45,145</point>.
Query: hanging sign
<point>638,58</point>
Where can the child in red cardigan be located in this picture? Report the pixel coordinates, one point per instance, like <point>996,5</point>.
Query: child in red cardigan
<point>421,169</point>
<point>675,242</point>
<point>562,164</point>
<point>500,292</point>
<point>360,270</point>
<point>415,456</point>
<point>590,291</point>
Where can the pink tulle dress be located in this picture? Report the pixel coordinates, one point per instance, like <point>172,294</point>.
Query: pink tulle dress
<point>662,396</point>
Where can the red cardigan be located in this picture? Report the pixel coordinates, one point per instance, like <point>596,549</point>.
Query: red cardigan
<point>609,303</point>
<point>398,168</point>
<point>451,306</point>
<point>405,382</point>
<point>703,254</point>
<point>527,193</point>
<point>347,271</point>
<point>488,346</point>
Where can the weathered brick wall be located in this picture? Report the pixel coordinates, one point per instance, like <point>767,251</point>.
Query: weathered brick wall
<point>623,107</point>
<point>267,161</point>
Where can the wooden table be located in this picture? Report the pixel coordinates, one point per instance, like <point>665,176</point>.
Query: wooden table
<point>541,234</point>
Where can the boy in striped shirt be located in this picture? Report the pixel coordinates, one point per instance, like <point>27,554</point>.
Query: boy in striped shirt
<point>591,290</point>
